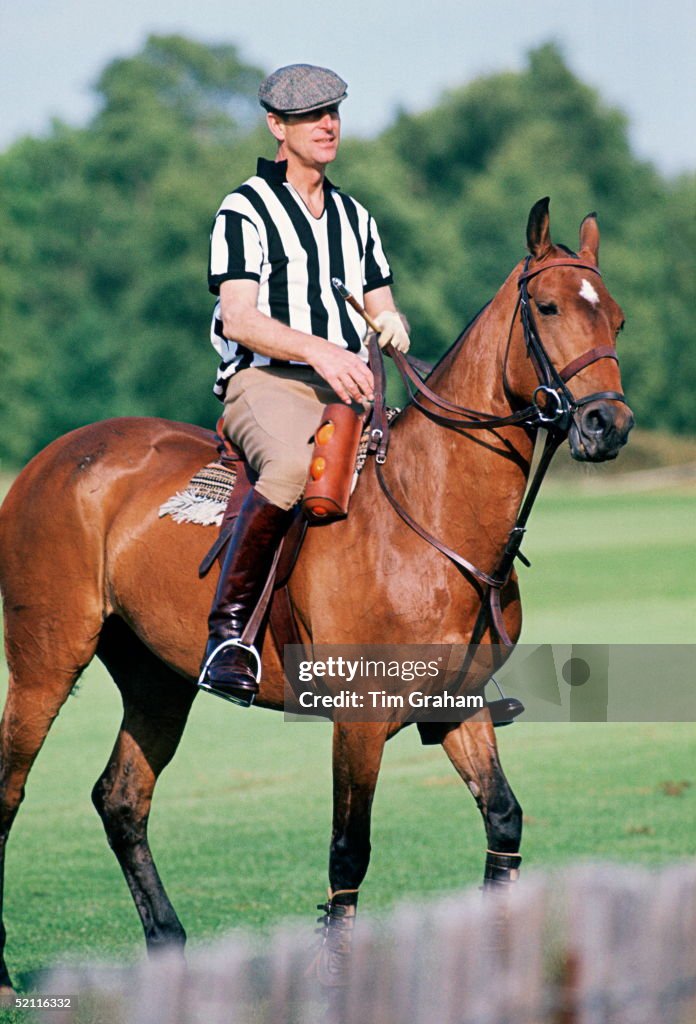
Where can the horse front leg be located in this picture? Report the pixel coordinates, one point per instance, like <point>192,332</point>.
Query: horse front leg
<point>471,747</point>
<point>357,756</point>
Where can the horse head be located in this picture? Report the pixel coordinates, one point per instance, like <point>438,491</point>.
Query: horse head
<point>567,332</point>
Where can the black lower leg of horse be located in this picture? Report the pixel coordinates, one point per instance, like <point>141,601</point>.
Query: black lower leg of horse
<point>122,797</point>
<point>156,705</point>
<point>357,755</point>
<point>471,747</point>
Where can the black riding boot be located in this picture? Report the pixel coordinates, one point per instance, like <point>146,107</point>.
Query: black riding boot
<point>231,670</point>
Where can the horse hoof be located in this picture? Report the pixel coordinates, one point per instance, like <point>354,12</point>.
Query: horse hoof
<point>332,964</point>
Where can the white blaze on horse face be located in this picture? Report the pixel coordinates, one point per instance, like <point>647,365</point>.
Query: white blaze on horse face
<point>587,292</point>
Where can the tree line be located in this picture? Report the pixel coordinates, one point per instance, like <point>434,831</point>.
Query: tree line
<point>104,231</point>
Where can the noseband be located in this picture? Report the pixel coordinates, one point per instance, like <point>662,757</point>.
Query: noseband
<point>554,415</point>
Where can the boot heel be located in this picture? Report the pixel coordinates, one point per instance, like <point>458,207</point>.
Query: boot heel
<point>239,698</point>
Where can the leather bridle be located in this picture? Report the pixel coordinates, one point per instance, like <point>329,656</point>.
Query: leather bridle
<point>554,415</point>
<point>552,382</point>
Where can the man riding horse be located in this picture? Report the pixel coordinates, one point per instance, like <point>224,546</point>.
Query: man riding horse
<point>288,344</point>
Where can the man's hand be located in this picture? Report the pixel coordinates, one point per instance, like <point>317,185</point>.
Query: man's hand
<point>347,374</point>
<point>392,331</point>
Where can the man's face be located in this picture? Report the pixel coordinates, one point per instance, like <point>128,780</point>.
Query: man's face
<point>311,138</point>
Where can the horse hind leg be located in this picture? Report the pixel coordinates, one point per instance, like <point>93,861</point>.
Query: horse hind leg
<point>472,749</point>
<point>156,704</point>
<point>45,659</point>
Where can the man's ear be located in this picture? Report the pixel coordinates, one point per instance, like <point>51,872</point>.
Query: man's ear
<point>276,126</point>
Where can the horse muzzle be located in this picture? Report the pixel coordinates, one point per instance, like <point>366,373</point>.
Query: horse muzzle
<point>599,430</point>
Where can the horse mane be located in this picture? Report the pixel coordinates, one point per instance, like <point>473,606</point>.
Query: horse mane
<point>459,340</point>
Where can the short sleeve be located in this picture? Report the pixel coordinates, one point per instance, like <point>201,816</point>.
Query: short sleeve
<point>377,270</point>
<point>235,250</point>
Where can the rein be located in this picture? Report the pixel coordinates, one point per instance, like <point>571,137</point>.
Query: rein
<point>554,416</point>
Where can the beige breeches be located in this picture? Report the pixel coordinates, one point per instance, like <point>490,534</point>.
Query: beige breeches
<point>271,413</point>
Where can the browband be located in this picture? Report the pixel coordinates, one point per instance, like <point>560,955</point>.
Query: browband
<point>526,274</point>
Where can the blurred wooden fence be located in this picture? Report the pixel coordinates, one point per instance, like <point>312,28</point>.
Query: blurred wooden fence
<point>598,944</point>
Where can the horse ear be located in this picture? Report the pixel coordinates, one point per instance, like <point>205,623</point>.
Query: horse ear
<point>589,237</point>
<point>538,234</point>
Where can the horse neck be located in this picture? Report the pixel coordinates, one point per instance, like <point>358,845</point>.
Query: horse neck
<point>472,372</point>
<point>466,488</point>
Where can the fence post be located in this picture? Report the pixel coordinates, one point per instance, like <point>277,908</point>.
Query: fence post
<point>596,945</point>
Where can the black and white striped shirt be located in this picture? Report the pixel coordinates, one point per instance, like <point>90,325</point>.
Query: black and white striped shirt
<point>264,232</point>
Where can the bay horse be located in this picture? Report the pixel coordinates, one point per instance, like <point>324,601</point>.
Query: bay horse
<point>88,567</point>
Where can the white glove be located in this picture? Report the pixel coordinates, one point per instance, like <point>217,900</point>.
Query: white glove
<point>392,331</point>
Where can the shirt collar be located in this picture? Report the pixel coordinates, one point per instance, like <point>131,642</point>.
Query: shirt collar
<point>275,173</point>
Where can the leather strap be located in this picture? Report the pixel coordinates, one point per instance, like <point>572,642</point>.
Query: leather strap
<point>215,551</point>
<point>497,616</point>
<point>282,621</point>
<point>459,560</point>
<point>284,631</point>
<point>548,264</point>
<point>378,441</point>
<point>253,626</point>
<point>586,359</point>
<point>292,543</point>
<point>526,415</point>
<point>611,396</point>
<point>484,420</point>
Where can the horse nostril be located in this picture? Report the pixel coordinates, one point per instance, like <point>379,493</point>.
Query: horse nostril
<point>597,420</point>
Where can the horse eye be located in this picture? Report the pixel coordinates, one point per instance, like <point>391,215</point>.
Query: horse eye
<point>547,308</point>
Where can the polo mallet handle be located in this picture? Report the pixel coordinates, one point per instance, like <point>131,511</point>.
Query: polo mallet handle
<point>352,301</point>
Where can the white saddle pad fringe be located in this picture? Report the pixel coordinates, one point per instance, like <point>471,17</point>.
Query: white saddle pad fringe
<point>189,507</point>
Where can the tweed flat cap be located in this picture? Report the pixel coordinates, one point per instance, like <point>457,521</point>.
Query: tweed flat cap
<point>300,88</point>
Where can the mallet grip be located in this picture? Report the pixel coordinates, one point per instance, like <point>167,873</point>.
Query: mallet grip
<point>352,301</point>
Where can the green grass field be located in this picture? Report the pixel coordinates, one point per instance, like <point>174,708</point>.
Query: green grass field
<point>241,819</point>
<point>615,568</point>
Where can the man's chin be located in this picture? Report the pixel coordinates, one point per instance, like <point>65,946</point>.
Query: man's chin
<point>327,153</point>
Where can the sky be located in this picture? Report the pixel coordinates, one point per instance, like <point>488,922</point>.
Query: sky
<point>395,54</point>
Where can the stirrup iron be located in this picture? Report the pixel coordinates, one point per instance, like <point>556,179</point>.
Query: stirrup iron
<point>210,688</point>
